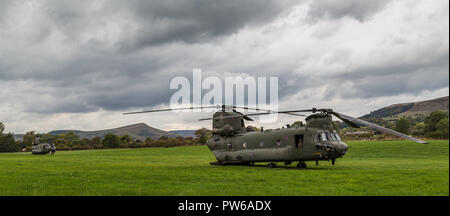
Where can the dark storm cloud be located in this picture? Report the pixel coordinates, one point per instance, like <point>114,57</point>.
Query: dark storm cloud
<point>6,4</point>
<point>86,56</point>
<point>335,9</point>
<point>107,85</point>
<point>196,21</point>
<point>151,23</point>
<point>96,74</point>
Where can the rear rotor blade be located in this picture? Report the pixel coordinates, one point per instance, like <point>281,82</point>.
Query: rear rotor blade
<point>244,116</point>
<point>236,116</point>
<point>253,114</point>
<point>200,107</point>
<point>375,126</point>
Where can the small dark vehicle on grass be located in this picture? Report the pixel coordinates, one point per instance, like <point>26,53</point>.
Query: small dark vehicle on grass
<point>43,148</point>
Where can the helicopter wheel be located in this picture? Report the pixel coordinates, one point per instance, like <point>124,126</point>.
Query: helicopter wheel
<point>271,165</point>
<point>301,165</point>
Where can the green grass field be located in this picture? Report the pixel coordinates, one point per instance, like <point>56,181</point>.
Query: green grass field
<point>369,168</point>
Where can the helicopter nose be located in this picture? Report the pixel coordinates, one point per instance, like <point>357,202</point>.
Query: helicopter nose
<point>342,148</point>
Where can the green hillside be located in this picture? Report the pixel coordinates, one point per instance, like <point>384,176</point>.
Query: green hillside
<point>413,110</point>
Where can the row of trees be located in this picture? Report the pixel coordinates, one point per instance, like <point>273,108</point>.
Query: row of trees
<point>71,141</point>
<point>435,126</point>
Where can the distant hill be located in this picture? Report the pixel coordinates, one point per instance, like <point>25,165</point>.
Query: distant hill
<point>136,131</point>
<point>184,133</point>
<point>18,137</point>
<point>415,109</point>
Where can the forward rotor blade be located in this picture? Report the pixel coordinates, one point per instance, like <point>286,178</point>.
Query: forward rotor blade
<point>163,110</point>
<point>257,109</point>
<point>375,126</point>
<point>249,108</point>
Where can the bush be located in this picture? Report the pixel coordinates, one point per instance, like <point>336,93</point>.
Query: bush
<point>403,126</point>
<point>98,146</point>
<point>124,145</point>
<point>8,144</point>
<point>65,148</point>
<point>80,147</point>
<point>437,135</point>
<point>28,148</point>
<point>76,147</point>
<point>111,141</point>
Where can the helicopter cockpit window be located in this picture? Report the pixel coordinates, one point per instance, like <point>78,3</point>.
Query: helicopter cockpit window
<point>323,137</point>
<point>332,136</point>
<point>328,136</point>
<point>337,136</point>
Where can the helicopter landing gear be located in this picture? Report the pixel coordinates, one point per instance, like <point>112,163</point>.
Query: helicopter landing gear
<point>301,165</point>
<point>271,165</point>
<point>216,163</point>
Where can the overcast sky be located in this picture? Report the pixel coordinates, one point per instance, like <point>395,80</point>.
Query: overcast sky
<point>81,64</point>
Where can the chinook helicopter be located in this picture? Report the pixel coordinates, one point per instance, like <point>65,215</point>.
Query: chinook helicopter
<point>233,143</point>
<point>43,147</point>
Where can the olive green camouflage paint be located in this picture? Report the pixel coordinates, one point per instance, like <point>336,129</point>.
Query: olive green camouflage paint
<point>277,145</point>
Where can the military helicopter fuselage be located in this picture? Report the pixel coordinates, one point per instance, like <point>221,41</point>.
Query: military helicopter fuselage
<point>232,143</point>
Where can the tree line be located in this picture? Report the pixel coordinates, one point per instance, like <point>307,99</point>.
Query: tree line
<point>71,141</point>
<point>434,126</point>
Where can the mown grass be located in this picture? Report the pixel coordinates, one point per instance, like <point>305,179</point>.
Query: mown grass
<point>369,168</point>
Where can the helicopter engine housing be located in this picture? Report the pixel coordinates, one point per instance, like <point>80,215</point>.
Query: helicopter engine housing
<point>226,130</point>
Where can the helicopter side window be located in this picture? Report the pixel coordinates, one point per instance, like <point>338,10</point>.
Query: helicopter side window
<point>278,142</point>
<point>229,146</point>
<point>317,138</point>
<point>299,141</point>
